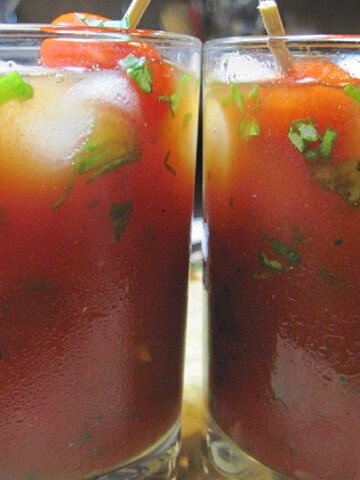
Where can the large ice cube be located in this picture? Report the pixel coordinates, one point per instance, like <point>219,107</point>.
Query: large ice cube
<point>109,87</point>
<point>54,126</point>
<point>240,67</point>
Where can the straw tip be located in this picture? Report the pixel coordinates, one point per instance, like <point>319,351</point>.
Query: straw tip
<point>263,4</point>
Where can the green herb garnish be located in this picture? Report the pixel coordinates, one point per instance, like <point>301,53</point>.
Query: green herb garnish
<point>249,127</point>
<point>285,251</point>
<point>120,214</point>
<point>173,101</point>
<point>267,262</point>
<point>13,86</point>
<point>282,257</point>
<point>235,96</point>
<point>352,91</point>
<point>305,137</point>
<point>138,69</point>
<point>99,158</point>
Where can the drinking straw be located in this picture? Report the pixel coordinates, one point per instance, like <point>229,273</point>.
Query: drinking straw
<point>274,27</point>
<point>135,11</point>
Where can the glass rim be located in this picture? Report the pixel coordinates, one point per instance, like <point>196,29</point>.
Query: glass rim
<point>263,41</point>
<point>42,30</point>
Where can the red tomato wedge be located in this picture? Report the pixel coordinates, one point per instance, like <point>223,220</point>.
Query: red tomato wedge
<point>89,54</point>
<point>80,19</point>
<point>321,71</point>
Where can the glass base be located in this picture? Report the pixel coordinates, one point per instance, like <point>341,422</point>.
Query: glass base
<point>225,461</point>
<point>158,463</point>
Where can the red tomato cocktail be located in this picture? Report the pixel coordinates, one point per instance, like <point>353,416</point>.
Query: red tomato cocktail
<point>96,190</point>
<point>281,206</point>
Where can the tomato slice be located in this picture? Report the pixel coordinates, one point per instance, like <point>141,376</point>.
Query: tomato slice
<point>80,19</point>
<point>61,52</point>
<point>321,71</point>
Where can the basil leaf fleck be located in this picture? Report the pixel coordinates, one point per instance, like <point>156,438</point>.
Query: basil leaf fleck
<point>173,101</point>
<point>120,214</point>
<point>267,262</point>
<point>138,69</point>
<point>235,96</point>
<point>249,127</point>
<point>285,251</point>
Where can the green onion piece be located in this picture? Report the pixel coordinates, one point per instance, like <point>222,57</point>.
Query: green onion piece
<point>138,69</point>
<point>327,143</point>
<point>301,133</point>
<point>306,139</point>
<point>352,92</point>
<point>12,86</point>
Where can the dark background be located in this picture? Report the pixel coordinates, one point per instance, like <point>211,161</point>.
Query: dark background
<point>205,18</point>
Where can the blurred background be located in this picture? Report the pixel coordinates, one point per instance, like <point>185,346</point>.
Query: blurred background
<point>203,18</point>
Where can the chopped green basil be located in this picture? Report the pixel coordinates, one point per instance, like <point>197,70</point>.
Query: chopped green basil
<point>99,159</point>
<point>120,214</point>
<point>305,137</point>
<point>13,86</point>
<point>137,68</point>
<point>327,143</point>
<point>288,253</point>
<point>352,91</point>
<point>267,262</point>
<point>235,96</point>
<point>173,101</point>
<point>249,127</point>
<point>283,257</point>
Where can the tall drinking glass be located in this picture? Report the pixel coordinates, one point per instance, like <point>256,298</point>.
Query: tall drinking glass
<point>97,161</point>
<point>282,257</point>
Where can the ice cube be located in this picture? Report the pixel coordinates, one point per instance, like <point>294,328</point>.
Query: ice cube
<point>240,67</point>
<point>108,87</point>
<point>351,64</point>
<point>53,126</point>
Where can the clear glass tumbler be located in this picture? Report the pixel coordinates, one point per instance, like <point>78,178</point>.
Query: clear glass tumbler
<point>282,256</point>
<point>97,153</point>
